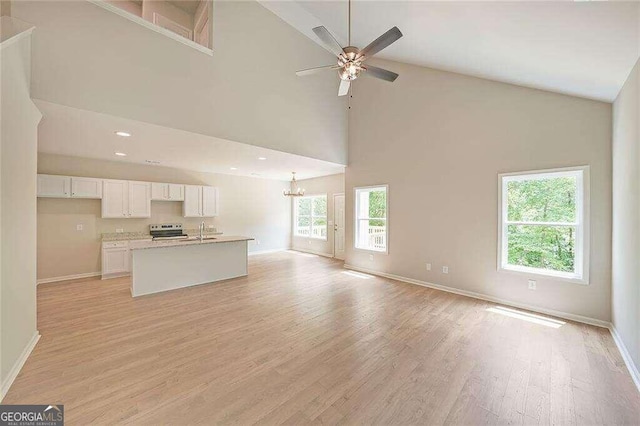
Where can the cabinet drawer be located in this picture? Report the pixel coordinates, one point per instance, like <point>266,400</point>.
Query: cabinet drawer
<point>115,244</point>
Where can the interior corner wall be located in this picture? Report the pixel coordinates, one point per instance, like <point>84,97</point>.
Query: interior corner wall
<point>626,216</point>
<point>439,140</point>
<point>329,185</point>
<point>89,58</point>
<point>18,158</point>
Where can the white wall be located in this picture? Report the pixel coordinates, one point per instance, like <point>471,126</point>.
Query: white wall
<point>89,58</point>
<point>329,185</point>
<point>18,151</point>
<point>439,140</point>
<point>248,206</point>
<point>626,215</point>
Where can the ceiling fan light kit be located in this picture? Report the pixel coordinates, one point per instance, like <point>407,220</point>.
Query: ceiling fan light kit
<point>351,59</point>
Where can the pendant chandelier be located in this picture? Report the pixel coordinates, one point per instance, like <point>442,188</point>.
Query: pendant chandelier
<point>295,190</point>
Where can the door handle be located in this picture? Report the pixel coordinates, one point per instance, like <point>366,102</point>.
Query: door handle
<point>335,227</point>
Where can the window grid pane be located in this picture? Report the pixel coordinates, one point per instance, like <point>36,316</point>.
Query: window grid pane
<point>542,223</point>
<point>311,217</point>
<point>371,222</point>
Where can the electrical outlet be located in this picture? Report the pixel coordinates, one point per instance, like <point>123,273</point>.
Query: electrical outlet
<point>445,269</point>
<point>79,227</point>
<point>257,242</point>
<point>428,266</point>
<point>532,284</point>
<point>371,257</point>
<point>119,230</point>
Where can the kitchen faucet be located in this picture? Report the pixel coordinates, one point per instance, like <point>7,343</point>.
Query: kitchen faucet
<point>202,231</point>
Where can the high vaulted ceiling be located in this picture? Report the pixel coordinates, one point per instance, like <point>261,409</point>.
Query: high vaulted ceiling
<point>584,49</point>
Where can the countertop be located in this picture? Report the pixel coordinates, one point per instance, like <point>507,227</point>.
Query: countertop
<point>140,245</point>
<point>131,236</point>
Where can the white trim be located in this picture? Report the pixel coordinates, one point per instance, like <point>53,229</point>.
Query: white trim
<point>582,223</point>
<point>481,296</point>
<point>355,218</point>
<point>15,370</point>
<point>628,361</point>
<point>254,253</point>
<point>141,21</point>
<point>68,277</point>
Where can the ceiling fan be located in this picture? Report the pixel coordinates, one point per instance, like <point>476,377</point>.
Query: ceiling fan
<point>351,59</point>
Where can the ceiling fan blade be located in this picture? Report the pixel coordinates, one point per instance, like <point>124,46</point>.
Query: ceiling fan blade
<point>380,73</point>
<point>344,87</point>
<point>381,42</point>
<point>328,41</point>
<point>310,71</point>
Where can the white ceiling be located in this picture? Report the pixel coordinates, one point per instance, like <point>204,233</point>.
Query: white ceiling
<point>82,133</point>
<point>584,49</point>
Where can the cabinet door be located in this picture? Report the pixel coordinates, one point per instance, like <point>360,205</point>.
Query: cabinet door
<point>115,260</point>
<point>159,191</point>
<point>139,199</point>
<point>192,206</point>
<point>86,187</point>
<point>54,186</point>
<point>176,192</point>
<point>115,198</point>
<point>209,201</point>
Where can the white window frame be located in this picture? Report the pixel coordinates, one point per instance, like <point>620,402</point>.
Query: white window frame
<point>582,224</point>
<point>356,190</point>
<point>311,217</point>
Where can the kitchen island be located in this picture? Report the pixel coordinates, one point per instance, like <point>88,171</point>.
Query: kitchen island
<point>167,265</point>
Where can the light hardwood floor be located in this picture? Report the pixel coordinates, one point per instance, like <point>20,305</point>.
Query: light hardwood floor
<point>301,341</point>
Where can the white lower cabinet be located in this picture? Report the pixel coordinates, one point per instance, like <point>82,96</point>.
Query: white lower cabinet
<point>200,201</point>
<point>115,259</point>
<point>126,199</point>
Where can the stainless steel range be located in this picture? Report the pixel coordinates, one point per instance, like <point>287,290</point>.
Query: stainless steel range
<point>167,231</point>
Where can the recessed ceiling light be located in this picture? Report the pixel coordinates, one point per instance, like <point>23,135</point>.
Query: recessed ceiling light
<point>233,168</point>
<point>120,154</point>
<point>123,134</point>
<point>262,158</point>
<point>152,161</point>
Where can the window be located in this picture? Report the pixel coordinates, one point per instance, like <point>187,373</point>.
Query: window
<point>371,218</point>
<point>545,222</point>
<point>311,217</point>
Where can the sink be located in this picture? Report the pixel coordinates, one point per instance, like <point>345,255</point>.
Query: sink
<point>206,237</point>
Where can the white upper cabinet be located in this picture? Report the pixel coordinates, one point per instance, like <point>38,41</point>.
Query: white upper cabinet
<point>200,201</point>
<point>209,201</point>
<point>115,198</point>
<point>176,192</point>
<point>82,187</point>
<point>167,192</point>
<point>139,199</point>
<point>192,206</point>
<point>54,186</point>
<point>125,199</point>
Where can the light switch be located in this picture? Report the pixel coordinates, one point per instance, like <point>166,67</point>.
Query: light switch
<point>445,269</point>
<point>79,227</point>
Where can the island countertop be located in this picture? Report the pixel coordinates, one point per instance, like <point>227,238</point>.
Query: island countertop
<point>146,244</point>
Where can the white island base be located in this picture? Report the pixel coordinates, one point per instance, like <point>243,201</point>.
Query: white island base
<point>163,266</point>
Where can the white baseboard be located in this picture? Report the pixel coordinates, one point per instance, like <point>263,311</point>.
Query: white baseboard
<point>68,277</point>
<point>13,373</point>
<point>560,314</point>
<point>319,253</point>
<point>633,370</point>
<point>253,253</point>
